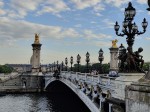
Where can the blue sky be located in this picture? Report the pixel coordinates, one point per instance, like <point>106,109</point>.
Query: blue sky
<point>66,27</point>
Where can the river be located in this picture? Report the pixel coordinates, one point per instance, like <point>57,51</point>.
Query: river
<point>45,102</point>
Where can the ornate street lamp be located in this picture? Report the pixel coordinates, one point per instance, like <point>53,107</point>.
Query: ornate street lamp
<point>122,52</point>
<point>54,66</point>
<point>66,62</point>
<point>130,29</point>
<point>50,68</point>
<point>148,2</point>
<point>121,49</point>
<point>78,60</point>
<point>100,58</point>
<point>62,64</point>
<point>87,60</point>
<point>71,62</point>
<point>57,64</point>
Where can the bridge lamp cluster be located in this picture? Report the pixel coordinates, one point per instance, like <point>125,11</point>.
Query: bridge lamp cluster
<point>100,58</point>
<point>71,62</point>
<point>87,60</point>
<point>129,28</point>
<point>62,64</point>
<point>78,60</point>
<point>66,62</point>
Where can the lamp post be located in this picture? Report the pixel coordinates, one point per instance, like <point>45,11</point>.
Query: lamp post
<point>130,29</point>
<point>100,58</point>
<point>78,60</point>
<point>122,52</point>
<point>57,64</point>
<point>62,64</point>
<point>87,60</point>
<point>121,48</point>
<point>71,62</point>
<point>50,68</point>
<point>66,62</point>
<point>54,66</point>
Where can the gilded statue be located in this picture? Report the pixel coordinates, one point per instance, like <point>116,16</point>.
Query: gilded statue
<point>36,38</point>
<point>114,43</point>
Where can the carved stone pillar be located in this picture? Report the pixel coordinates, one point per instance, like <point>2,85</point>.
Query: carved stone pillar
<point>114,59</point>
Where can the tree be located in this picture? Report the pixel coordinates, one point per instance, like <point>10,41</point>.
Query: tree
<point>5,69</point>
<point>146,66</point>
<point>105,67</point>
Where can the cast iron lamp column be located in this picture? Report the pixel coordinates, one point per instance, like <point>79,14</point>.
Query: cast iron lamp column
<point>78,60</point>
<point>71,62</point>
<point>62,64</point>
<point>100,58</point>
<point>54,66</point>
<point>66,62</point>
<point>57,64</point>
<point>129,28</point>
<point>87,61</point>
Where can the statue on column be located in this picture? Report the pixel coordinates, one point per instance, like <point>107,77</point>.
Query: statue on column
<point>114,43</point>
<point>36,38</point>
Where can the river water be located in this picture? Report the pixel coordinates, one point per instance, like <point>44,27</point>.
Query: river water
<point>58,98</point>
<point>50,102</point>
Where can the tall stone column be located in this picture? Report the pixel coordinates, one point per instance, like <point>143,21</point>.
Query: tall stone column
<point>35,59</point>
<point>114,59</point>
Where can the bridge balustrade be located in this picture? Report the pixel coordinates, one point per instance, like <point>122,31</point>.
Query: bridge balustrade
<point>87,84</point>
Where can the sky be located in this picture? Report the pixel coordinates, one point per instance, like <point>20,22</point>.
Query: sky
<point>66,28</point>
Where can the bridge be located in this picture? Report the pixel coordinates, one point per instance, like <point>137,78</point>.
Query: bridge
<point>89,88</point>
<point>98,92</point>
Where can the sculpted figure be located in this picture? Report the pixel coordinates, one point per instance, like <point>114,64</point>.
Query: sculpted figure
<point>114,43</point>
<point>122,57</point>
<point>36,38</point>
<point>138,57</point>
<point>131,66</point>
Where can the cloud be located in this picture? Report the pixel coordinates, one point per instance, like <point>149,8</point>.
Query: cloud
<point>82,4</point>
<point>90,35</point>
<point>117,3</point>
<point>96,5</point>
<point>54,7</point>
<point>108,23</point>
<point>98,14</point>
<point>15,29</point>
<point>21,8</point>
<point>101,43</point>
<point>78,25</point>
<point>147,38</point>
<point>2,11</point>
<point>142,1</point>
<point>93,22</point>
<point>99,7</point>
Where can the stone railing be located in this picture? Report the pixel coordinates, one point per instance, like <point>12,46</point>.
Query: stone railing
<point>92,86</point>
<point>9,76</point>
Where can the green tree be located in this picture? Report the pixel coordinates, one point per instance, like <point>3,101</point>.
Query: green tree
<point>146,66</point>
<point>5,69</point>
<point>105,67</point>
